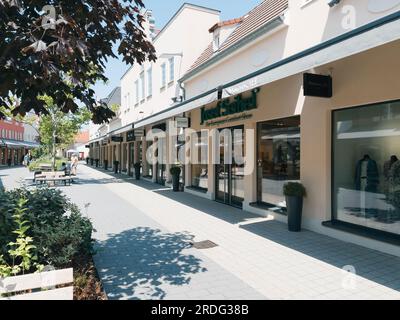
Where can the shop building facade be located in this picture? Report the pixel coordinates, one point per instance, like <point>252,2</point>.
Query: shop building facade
<point>16,139</point>
<point>151,87</point>
<point>342,146</point>
<point>298,91</point>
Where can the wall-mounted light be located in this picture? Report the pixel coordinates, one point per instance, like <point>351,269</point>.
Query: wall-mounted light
<point>333,3</point>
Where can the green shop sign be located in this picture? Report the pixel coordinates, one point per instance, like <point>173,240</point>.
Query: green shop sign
<point>227,107</point>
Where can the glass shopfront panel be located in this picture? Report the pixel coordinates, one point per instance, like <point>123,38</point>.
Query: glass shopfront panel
<point>149,158</point>
<point>278,158</point>
<point>199,160</point>
<point>366,166</point>
<point>230,170</point>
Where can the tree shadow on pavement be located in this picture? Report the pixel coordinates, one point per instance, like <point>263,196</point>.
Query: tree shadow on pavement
<point>137,263</point>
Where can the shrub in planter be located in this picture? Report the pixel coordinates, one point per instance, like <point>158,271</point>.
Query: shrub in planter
<point>116,166</point>
<point>175,173</point>
<point>137,167</point>
<point>294,193</point>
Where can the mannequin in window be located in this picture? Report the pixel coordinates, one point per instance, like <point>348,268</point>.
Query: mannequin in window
<point>367,175</point>
<point>387,172</point>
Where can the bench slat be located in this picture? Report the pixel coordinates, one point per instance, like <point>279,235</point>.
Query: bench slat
<point>56,294</point>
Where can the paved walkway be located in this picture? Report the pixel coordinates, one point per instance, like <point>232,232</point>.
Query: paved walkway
<point>143,239</point>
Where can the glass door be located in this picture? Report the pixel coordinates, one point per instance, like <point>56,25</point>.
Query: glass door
<point>230,170</point>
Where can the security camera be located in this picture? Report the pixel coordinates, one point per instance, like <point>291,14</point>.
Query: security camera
<point>332,3</point>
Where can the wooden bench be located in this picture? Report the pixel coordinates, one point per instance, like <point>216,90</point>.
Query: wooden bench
<point>54,177</point>
<point>38,286</point>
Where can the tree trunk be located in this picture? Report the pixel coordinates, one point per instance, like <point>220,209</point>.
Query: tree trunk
<point>54,150</point>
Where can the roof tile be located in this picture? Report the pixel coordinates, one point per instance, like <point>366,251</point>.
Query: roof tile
<point>255,19</point>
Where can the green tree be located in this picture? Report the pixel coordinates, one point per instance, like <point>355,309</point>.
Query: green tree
<point>60,49</point>
<point>58,129</point>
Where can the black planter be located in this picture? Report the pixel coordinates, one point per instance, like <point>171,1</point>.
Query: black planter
<point>175,183</point>
<point>294,212</point>
<point>116,167</point>
<point>137,173</point>
<point>97,163</point>
<point>105,164</point>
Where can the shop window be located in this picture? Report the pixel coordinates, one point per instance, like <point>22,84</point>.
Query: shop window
<point>278,159</point>
<point>199,159</point>
<point>366,166</point>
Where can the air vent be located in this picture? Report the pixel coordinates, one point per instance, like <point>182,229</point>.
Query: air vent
<point>207,244</point>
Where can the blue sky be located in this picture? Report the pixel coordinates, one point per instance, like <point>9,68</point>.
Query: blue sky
<point>163,10</point>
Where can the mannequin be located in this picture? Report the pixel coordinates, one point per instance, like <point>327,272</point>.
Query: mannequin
<point>367,180</point>
<point>388,172</point>
<point>367,175</point>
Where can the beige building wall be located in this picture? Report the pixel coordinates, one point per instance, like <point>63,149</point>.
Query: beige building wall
<point>359,80</point>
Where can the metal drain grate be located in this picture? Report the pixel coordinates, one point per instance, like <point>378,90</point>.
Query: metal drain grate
<point>207,244</point>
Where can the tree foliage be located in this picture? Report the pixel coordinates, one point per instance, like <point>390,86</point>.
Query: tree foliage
<point>62,126</point>
<point>65,56</point>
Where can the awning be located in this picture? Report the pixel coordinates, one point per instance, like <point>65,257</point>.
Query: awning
<point>372,35</point>
<point>179,109</point>
<point>18,144</point>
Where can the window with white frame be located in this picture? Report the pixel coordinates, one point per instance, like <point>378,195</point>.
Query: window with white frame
<point>163,75</point>
<point>150,82</point>
<point>142,87</point>
<point>171,62</point>
<point>137,91</point>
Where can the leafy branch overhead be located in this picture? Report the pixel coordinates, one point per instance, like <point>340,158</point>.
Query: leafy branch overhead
<point>65,56</point>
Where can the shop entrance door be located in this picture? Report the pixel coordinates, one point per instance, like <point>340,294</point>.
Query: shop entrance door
<point>230,171</point>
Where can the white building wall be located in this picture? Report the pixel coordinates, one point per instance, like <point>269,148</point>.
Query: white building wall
<point>186,34</point>
<point>30,133</point>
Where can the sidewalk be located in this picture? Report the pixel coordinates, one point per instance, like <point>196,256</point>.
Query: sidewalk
<point>144,233</point>
<point>262,253</point>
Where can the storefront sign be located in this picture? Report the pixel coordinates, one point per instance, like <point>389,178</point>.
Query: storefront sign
<point>130,136</point>
<point>182,122</point>
<point>117,139</point>
<point>139,133</point>
<point>316,85</point>
<point>227,107</point>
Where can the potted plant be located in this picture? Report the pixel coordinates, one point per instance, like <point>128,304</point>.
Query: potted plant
<point>175,173</point>
<point>294,193</point>
<point>137,167</point>
<point>105,164</point>
<point>116,165</point>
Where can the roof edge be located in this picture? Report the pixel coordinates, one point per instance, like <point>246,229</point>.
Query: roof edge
<point>169,22</point>
<point>274,23</point>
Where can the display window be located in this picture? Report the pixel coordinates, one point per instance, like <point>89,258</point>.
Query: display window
<point>278,161</point>
<point>366,166</point>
